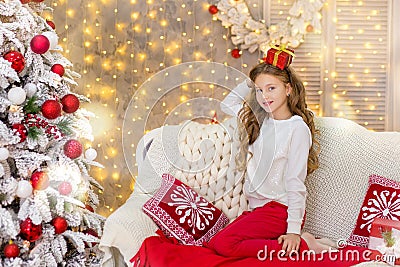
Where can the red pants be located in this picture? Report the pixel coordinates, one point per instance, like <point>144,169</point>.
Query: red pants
<point>253,231</point>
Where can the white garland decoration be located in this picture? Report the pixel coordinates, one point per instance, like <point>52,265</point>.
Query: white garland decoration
<point>253,35</point>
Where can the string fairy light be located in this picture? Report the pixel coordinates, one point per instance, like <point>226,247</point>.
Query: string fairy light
<point>354,55</point>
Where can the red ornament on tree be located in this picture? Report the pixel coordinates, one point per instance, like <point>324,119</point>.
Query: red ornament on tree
<point>40,44</point>
<point>70,103</point>
<point>25,1</point>
<point>90,232</point>
<point>73,149</point>
<point>58,69</point>
<point>236,53</point>
<point>30,231</point>
<point>89,208</point>
<point>17,60</point>
<point>310,28</point>
<point>51,109</point>
<point>51,24</point>
<point>20,130</point>
<point>60,225</point>
<point>11,250</point>
<point>213,9</point>
<point>40,180</point>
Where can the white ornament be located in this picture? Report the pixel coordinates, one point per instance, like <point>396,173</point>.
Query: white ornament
<point>4,153</point>
<point>30,89</point>
<point>53,39</point>
<point>90,154</point>
<point>17,95</point>
<point>24,189</point>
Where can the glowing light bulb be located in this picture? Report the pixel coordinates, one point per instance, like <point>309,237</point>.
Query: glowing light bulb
<point>70,13</point>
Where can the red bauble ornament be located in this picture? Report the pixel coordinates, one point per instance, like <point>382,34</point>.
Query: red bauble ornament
<point>89,208</point>
<point>40,180</point>
<point>60,225</point>
<point>11,250</point>
<point>51,24</point>
<point>90,232</point>
<point>21,130</point>
<point>65,188</point>
<point>213,9</point>
<point>51,109</point>
<point>70,103</point>
<point>40,44</point>
<point>236,53</point>
<point>310,28</point>
<point>25,1</point>
<point>214,119</point>
<point>58,69</point>
<point>17,60</point>
<point>73,149</point>
<point>30,231</point>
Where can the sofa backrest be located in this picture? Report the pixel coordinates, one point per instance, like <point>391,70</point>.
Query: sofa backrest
<point>203,157</point>
<point>349,155</point>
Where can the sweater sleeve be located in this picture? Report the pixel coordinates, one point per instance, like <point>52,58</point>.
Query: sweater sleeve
<point>295,176</point>
<point>233,102</point>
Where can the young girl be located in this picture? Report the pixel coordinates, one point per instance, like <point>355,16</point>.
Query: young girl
<point>278,150</point>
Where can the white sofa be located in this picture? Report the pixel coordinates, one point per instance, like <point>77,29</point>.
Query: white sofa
<point>202,156</point>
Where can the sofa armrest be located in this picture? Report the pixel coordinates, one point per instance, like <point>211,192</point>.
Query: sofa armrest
<point>116,259</point>
<point>126,229</point>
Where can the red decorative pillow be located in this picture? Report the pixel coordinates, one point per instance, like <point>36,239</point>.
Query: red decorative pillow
<point>381,201</point>
<point>181,213</point>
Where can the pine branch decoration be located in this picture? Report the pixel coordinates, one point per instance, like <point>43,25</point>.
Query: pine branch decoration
<point>387,236</point>
<point>65,126</point>
<point>31,107</point>
<point>34,133</point>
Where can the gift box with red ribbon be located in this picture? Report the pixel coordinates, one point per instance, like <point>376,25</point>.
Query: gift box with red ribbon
<point>279,57</point>
<point>384,241</point>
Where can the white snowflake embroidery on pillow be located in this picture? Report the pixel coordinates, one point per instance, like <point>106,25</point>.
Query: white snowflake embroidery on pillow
<point>191,207</point>
<point>385,205</point>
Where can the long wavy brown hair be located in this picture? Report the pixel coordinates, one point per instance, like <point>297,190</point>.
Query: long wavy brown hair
<point>252,114</point>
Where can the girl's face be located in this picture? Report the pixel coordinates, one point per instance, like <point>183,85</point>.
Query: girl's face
<point>272,96</point>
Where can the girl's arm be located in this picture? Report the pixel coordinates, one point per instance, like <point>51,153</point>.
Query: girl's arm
<point>233,102</point>
<point>295,176</point>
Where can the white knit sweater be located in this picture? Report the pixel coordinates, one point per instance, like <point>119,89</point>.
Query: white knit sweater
<point>278,166</point>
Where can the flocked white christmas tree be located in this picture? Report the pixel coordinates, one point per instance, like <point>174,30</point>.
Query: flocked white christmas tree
<point>47,196</point>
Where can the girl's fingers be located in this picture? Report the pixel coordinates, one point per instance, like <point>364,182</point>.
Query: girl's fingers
<point>288,245</point>
<point>285,245</point>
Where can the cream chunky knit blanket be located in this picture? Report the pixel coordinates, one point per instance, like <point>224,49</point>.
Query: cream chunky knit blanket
<point>202,156</point>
